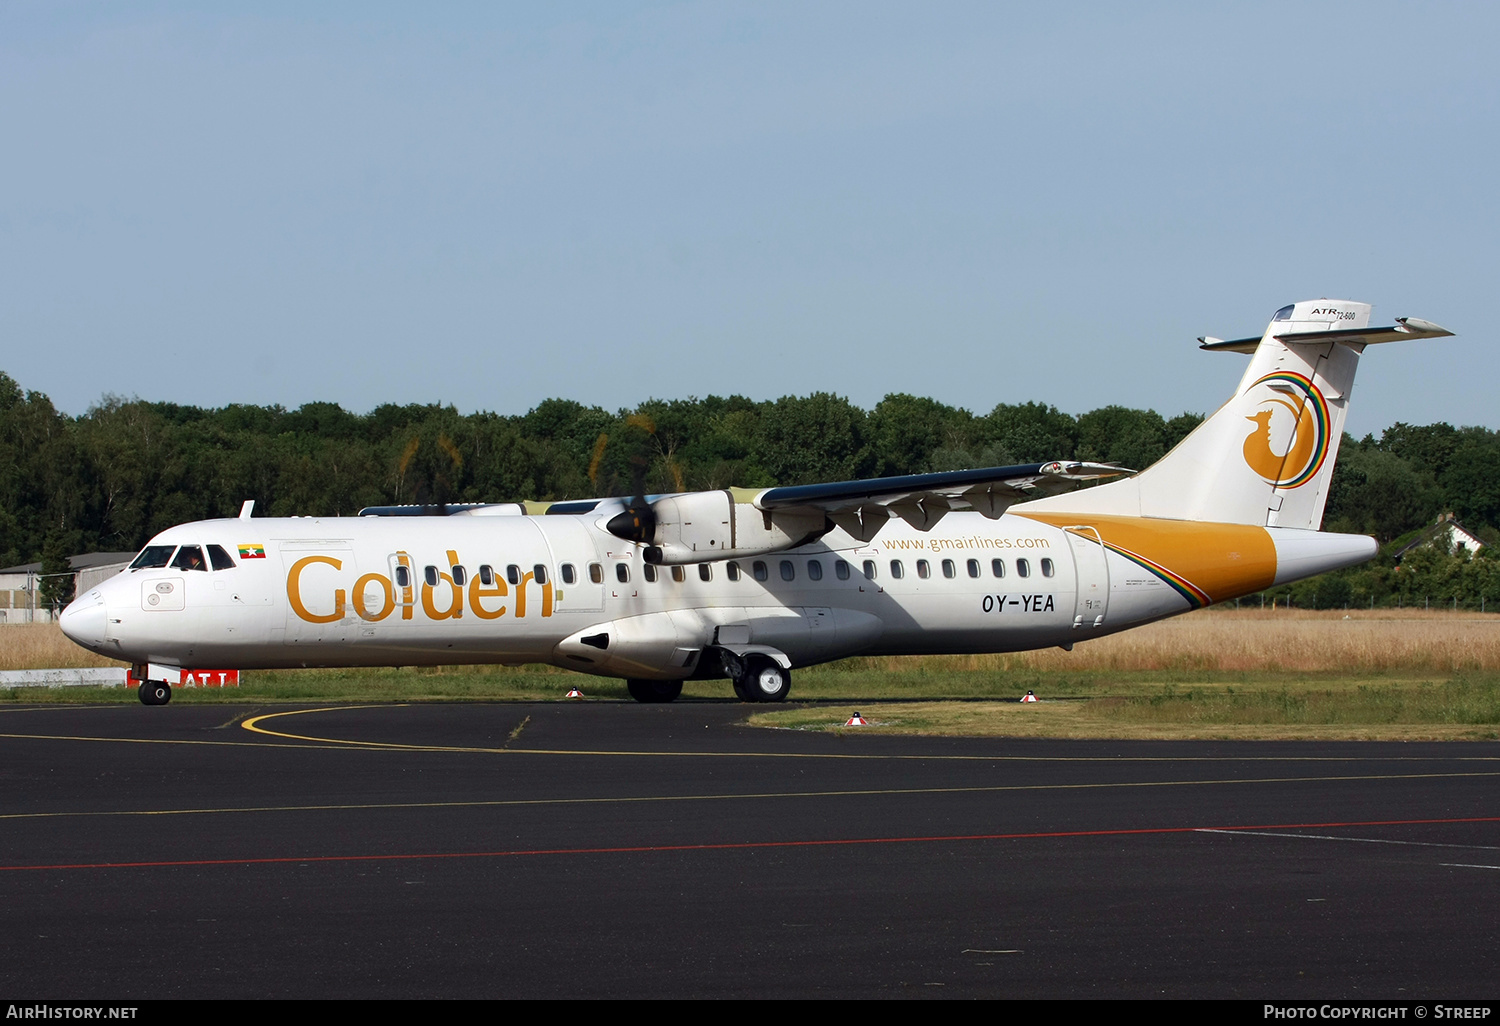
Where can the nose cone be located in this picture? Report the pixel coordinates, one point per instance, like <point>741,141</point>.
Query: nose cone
<point>84,621</point>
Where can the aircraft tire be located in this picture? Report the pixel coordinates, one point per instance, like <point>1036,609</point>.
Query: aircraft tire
<point>155,692</point>
<point>766,681</point>
<point>654,690</point>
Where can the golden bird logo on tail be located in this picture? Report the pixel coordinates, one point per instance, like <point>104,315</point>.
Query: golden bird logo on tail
<point>1308,446</point>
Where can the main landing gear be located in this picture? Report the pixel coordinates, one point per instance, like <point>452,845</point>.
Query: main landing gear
<point>155,692</point>
<point>654,690</point>
<point>762,679</point>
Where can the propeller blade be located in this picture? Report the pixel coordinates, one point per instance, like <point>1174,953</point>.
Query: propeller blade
<point>637,522</point>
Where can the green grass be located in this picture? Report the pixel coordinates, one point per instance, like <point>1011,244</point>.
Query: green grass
<point>383,684</point>
<point>1126,702</point>
<point>851,680</point>
<point>923,698</point>
<point>1465,707</point>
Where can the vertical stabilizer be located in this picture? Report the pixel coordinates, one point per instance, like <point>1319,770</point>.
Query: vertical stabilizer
<point>1266,456</point>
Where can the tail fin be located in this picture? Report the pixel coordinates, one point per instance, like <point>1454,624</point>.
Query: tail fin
<point>1266,456</point>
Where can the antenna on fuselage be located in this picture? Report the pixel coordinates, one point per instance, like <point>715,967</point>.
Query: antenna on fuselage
<point>247,509</point>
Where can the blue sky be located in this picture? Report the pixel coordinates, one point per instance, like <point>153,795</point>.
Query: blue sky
<point>490,204</point>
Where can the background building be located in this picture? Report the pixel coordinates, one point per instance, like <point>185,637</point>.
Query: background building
<point>20,586</point>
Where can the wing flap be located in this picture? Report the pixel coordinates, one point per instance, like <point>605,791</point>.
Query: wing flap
<point>861,508</point>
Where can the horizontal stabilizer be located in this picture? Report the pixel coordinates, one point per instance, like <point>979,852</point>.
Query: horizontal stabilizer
<point>1405,328</point>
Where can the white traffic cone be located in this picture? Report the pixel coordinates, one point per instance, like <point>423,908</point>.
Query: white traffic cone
<point>856,721</point>
<point>1030,697</point>
<point>573,693</point>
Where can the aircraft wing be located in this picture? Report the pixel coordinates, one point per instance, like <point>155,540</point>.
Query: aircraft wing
<point>781,518</point>
<point>862,507</point>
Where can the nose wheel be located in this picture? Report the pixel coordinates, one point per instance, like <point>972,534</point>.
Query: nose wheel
<point>155,692</point>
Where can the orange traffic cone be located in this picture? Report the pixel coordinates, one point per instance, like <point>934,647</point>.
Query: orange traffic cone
<point>1030,697</point>
<point>574,693</point>
<point>856,721</point>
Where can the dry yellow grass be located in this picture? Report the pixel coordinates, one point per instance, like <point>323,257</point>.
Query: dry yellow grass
<point>42,646</point>
<point>1232,640</point>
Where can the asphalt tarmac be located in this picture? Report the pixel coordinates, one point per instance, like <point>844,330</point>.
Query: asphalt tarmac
<point>615,850</point>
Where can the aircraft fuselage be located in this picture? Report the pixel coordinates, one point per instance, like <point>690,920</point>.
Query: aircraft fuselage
<point>373,591</point>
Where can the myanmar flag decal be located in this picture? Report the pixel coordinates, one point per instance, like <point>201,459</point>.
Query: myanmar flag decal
<point>252,552</point>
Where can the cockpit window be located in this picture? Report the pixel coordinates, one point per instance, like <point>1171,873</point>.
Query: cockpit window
<point>219,558</point>
<point>153,557</point>
<point>190,557</point>
<point>1284,314</point>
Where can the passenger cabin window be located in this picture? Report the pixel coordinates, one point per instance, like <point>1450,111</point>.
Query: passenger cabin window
<point>1023,568</point>
<point>648,570</point>
<point>622,573</point>
<point>539,574</point>
<point>566,573</point>
<point>788,572</point>
<point>679,574</point>
<point>733,570</point>
<point>460,575</point>
<point>403,576</point>
<point>219,558</point>
<point>841,569</point>
<point>596,573</point>
<point>949,570</point>
<point>924,569</point>
<point>1048,569</point>
<point>814,570</point>
<point>897,570</point>
<point>997,567</point>
<point>869,569</point>
<point>973,566</point>
<point>429,574</point>
<point>759,568</point>
<point>486,575</point>
<point>153,557</point>
<point>190,557</point>
<point>705,572</point>
<point>513,574</point>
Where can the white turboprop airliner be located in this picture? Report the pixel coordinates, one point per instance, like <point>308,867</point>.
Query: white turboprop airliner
<point>748,584</point>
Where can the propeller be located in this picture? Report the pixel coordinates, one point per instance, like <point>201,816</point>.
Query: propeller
<point>434,483</point>
<point>637,522</point>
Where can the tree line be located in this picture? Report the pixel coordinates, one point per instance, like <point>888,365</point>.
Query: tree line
<point>107,480</point>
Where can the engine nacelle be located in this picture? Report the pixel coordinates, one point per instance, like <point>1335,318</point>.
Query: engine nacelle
<point>702,526</point>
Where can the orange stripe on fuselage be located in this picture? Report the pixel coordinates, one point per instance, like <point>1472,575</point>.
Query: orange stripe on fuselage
<point>1222,560</point>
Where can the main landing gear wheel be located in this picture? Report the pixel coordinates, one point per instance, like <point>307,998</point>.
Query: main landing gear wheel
<point>155,692</point>
<point>765,680</point>
<point>654,690</point>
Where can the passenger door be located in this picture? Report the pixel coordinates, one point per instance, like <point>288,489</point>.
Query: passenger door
<point>1092,568</point>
